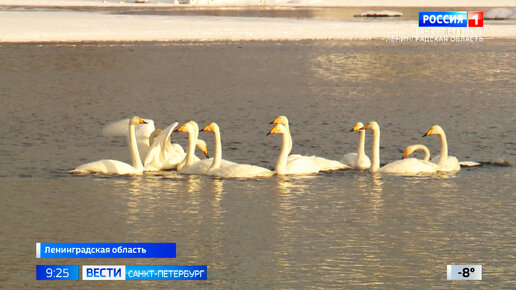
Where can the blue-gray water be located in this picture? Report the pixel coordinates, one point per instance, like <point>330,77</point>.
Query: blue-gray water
<point>341,229</point>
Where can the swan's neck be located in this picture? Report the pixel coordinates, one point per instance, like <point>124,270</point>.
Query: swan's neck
<point>361,145</point>
<point>427,153</point>
<point>376,151</point>
<point>281,164</point>
<point>218,150</point>
<point>444,149</point>
<point>289,138</point>
<point>192,140</point>
<point>135,155</point>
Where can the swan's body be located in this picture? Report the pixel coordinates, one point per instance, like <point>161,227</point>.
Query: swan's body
<point>413,148</point>
<point>409,166</point>
<point>235,170</point>
<point>190,165</point>
<point>323,163</point>
<point>297,165</point>
<point>445,162</point>
<point>109,166</point>
<point>358,160</point>
<point>142,132</point>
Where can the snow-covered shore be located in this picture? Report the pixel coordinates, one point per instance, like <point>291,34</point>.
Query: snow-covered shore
<point>327,3</point>
<point>44,25</point>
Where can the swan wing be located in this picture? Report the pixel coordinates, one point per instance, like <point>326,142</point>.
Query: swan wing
<point>409,166</point>
<point>202,166</point>
<point>241,171</point>
<point>106,166</point>
<point>452,163</point>
<point>350,159</point>
<point>327,164</point>
<point>163,155</point>
<point>142,132</point>
<point>301,165</point>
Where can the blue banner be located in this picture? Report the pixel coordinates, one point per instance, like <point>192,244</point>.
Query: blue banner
<point>443,19</point>
<point>105,250</point>
<point>166,272</point>
<point>57,272</point>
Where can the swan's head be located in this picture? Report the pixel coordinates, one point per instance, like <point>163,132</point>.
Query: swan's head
<point>137,120</point>
<point>410,149</point>
<point>283,120</point>
<point>188,127</point>
<point>203,147</point>
<point>211,127</point>
<point>358,126</point>
<point>435,130</point>
<point>278,129</point>
<point>153,135</point>
<point>372,125</point>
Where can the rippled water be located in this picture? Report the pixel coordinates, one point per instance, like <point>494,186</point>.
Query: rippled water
<point>339,229</point>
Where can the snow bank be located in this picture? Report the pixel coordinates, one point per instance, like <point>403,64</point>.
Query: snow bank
<point>383,13</point>
<point>341,3</point>
<point>500,13</point>
<point>71,26</point>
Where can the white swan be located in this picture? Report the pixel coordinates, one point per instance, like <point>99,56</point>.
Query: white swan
<point>412,148</point>
<point>358,160</point>
<point>410,166</point>
<point>109,166</point>
<point>445,162</point>
<point>235,170</point>
<point>143,132</point>
<point>163,155</point>
<point>323,163</point>
<point>297,166</point>
<point>190,165</point>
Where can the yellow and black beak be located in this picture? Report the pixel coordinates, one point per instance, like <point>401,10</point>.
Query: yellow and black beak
<point>180,129</point>
<point>205,151</point>
<point>273,130</point>
<point>428,133</point>
<point>142,121</point>
<point>205,128</point>
<point>404,155</point>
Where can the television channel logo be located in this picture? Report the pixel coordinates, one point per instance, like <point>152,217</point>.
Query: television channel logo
<point>451,19</point>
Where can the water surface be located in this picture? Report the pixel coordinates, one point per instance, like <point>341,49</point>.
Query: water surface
<point>339,229</point>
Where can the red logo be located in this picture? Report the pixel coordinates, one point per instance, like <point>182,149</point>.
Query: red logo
<point>475,19</point>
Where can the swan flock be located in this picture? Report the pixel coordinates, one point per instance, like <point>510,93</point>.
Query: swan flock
<point>159,153</point>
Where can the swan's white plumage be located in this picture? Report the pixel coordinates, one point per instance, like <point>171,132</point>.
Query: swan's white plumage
<point>409,166</point>
<point>163,155</point>
<point>296,165</point>
<point>106,166</point>
<point>190,165</point>
<point>142,131</point>
<point>358,160</point>
<point>445,162</point>
<point>231,170</point>
<point>109,166</point>
<point>324,164</point>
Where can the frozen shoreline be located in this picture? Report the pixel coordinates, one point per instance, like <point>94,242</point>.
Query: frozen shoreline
<point>43,25</point>
<point>56,26</point>
<point>266,3</point>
